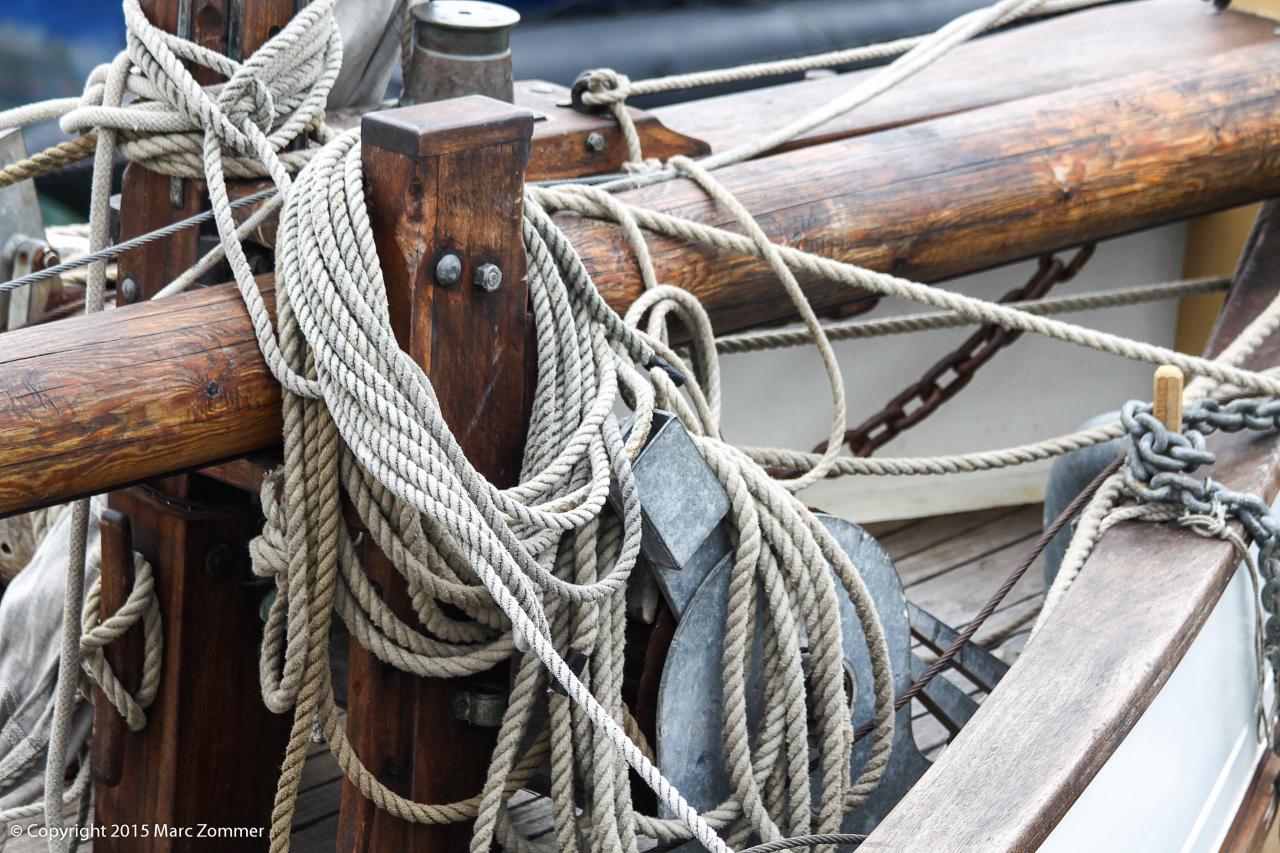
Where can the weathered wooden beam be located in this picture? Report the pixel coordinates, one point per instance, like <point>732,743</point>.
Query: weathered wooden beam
<point>1012,773</point>
<point>1082,48</point>
<point>88,404</point>
<point>446,186</point>
<point>966,192</point>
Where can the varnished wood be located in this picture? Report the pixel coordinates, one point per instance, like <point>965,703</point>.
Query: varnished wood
<point>930,201</point>
<point>1085,47</point>
<point>1015,769</point>
<point>966,192</point>
<point>442,178</point>
<point>1254,819</point>
<point>560,134</point>
<point>208,751</point>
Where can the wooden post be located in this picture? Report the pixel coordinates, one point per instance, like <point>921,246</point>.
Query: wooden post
<point>124,655</point>
<point>1166,398</point>
<point>211,750</point>
<point>444,183</point>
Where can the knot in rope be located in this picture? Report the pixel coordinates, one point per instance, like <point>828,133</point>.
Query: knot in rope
<point>97,633</point>
<point>166,120</point>
<point>605,87</point>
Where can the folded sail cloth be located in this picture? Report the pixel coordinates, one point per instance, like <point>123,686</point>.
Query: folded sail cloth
<point>30,631</point>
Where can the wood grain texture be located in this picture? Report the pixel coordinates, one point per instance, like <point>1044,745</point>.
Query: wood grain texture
<point>1078,49</point>
<point>1097,663</point>
<point>929,201</point>
<point>140,391</point>
<point>966,192</point>
<point>560,134</point>
<point>444,178</point>
<point>208,751</point>
<point>1248,832</point>
<point>124,655</point>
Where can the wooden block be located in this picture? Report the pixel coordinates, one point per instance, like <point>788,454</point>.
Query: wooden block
<point>1166,397</point>
<point>441,178</point>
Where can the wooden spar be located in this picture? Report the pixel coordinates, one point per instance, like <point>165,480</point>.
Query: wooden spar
<point>966,192</point>
<point>446,179</point>
<point>90,404</point>
<point>1078,49</point>
<point>1015,769</point>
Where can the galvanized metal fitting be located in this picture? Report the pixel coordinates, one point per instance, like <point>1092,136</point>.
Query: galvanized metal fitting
<point>595,142</point>
<point>480,705</point>
<point>488,277</point>
<point>448,270</point>
<point>129,291</point>
<point>460,47</point>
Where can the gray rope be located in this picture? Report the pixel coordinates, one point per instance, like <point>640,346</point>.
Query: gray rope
<point>848,330</point>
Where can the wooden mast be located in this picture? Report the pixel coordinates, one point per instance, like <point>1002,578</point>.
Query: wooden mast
<point>208,751</point>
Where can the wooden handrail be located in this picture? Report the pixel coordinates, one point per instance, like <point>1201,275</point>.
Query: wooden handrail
<point>91,404</point>
<point>1100,659</point>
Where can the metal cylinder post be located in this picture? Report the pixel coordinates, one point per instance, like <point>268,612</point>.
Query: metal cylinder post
<point>460,47</point>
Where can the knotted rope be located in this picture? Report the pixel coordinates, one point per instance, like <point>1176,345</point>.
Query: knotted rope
<point>141,606</point>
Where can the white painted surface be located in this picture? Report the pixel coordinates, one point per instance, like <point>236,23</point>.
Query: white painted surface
<point>1176,782</point>
<point>1034,389</point>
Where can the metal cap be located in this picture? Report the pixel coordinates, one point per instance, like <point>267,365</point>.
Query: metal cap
<point>471,15</point>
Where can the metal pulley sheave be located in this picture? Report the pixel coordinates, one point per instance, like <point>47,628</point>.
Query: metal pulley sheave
<point>687,559</point>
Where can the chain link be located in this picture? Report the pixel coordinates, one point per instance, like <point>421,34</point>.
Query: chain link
<point>1161,469</point>
<point>955,370</point>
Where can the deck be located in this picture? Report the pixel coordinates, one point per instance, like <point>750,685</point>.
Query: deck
<point>949,565</point>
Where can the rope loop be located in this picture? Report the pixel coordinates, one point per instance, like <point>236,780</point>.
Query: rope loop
<point>141,606</point>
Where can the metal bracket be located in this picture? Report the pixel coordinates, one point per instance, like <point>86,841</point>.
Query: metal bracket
<point>688,553</point>
<point>23,248</point>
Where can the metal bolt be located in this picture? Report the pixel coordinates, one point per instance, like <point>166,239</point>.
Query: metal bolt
<point>219,560</point>
<point>129,290</point>
<point>595,142</point>
<point>488,277</point>
<point>449,269</point>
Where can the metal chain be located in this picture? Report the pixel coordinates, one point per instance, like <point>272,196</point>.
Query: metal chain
<point>1161,467</point>
<point>954,371</point>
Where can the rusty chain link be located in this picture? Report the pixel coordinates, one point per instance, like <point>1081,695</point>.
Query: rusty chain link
<point>955,370</point>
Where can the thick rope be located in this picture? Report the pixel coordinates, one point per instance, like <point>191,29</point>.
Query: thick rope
<point>49,160</point>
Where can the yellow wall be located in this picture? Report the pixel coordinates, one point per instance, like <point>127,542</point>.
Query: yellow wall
<point>1213,246</point>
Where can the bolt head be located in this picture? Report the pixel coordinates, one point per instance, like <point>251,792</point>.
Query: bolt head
<point>595,142</point>
<point>129,290</point>
<point>488,277</point>
<point>449,269</point>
